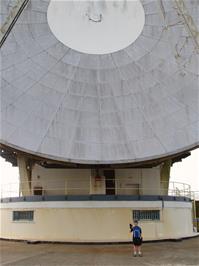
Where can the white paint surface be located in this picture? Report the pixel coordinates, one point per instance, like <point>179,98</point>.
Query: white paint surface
<point>79,224</point>
<point>79,181</point>
<point>137,104</point>
<point>95,204</point>
<point>74,23</point>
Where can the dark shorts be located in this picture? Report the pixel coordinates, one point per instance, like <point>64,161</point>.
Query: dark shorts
<point>137,241</point>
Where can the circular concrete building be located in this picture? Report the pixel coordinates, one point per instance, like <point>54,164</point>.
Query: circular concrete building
<point>98,100</point>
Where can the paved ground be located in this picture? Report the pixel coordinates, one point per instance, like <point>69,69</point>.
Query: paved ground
<point>164,253</point>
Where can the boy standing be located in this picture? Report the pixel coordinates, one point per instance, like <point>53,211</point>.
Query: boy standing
<point>137,238</point>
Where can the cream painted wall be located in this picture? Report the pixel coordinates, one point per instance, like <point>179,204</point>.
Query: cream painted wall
<point>151,181</point>
<point>108,224</point>
<point>178,221</point>
<point>148,180</point>
<point>58,181</point>
<point>83,181</point>
<point>129,181</point>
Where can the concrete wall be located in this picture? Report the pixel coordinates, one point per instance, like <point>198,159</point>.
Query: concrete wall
<point>58,181</point>
<point>147,181</point>
<point>84,181</point>
<point>94,221</point>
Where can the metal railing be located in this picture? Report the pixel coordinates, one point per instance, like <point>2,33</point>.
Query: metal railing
<point>93,187</point>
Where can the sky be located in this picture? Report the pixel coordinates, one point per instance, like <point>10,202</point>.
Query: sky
<point>186,171</point>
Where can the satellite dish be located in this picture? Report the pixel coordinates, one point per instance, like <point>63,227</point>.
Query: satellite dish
<point>115,100</point>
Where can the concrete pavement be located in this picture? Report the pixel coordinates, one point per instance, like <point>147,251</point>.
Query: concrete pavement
<point>181,253</point>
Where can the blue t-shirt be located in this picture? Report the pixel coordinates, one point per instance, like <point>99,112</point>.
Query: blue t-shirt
<point>136,231</point>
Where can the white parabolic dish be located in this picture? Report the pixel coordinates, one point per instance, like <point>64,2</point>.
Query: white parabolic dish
<point>96,27</point>
<point>110,104</point>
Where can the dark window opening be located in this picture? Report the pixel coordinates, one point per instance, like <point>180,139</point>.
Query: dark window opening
<point>110,181</point>
<point>146,215</point>
<point>38,191</point>
<point>23,215</point>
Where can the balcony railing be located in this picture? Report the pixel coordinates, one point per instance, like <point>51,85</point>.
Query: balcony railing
<point>99,187</point>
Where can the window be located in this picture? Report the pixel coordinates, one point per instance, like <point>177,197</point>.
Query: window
<point>146,215</point>
<point>38,191</point>
<point>23,215</point>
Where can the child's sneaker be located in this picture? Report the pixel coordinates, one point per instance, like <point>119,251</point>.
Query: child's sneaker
<point>140,254</point>
<point>134,254</point>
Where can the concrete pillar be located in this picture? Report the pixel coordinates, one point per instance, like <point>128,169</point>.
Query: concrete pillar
<point>25,173</point>
<point>164,176</point>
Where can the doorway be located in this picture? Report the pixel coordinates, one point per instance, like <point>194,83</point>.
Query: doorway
<point>110,181</point>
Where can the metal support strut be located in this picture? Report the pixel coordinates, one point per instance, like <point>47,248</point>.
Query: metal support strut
<point>11,19</point>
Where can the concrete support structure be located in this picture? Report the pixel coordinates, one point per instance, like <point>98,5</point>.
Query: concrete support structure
<point>88,181</point>
<point>165,175</point>
<point>95,221</point>
<point>73,202</point>
<point>25,173</point>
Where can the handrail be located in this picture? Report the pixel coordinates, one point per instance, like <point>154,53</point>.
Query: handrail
<point>52,188</point>
<point>80,179</point>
